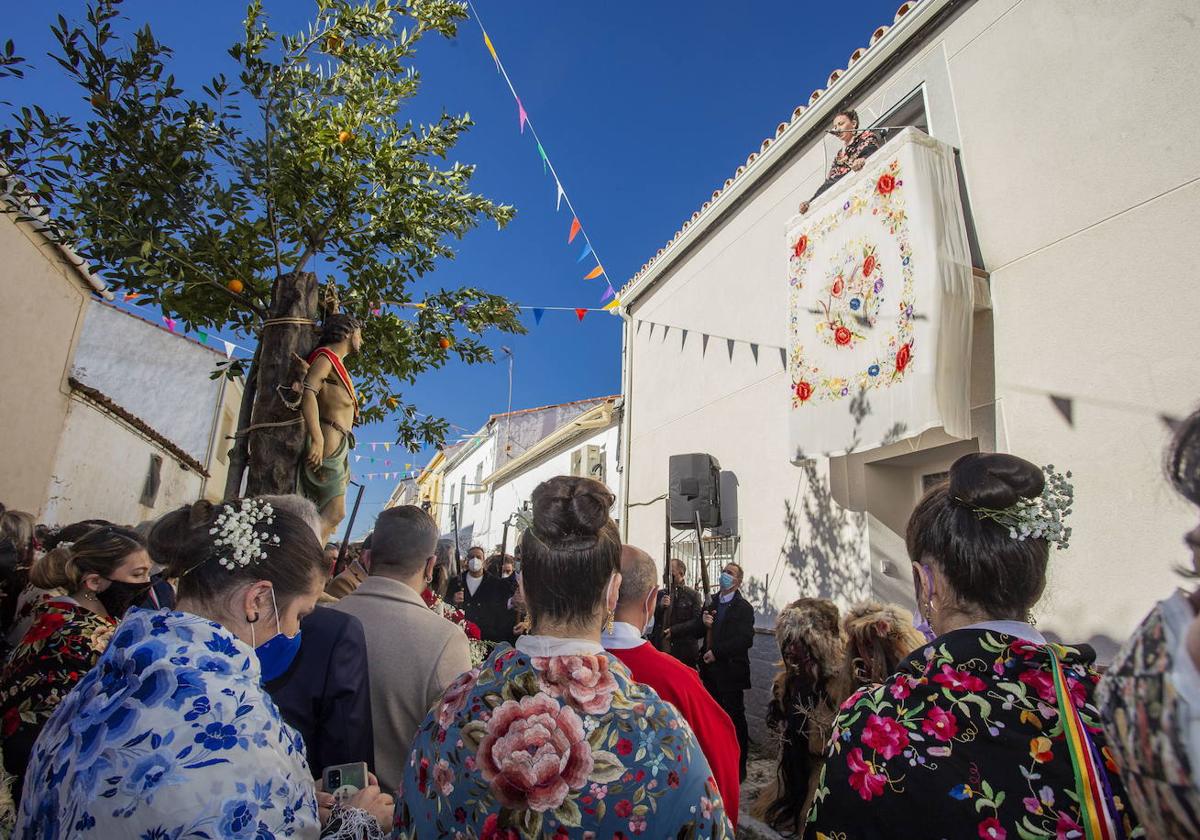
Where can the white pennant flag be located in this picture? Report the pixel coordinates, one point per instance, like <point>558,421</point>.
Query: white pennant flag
<point>558,200</point>
<point>228,349</point>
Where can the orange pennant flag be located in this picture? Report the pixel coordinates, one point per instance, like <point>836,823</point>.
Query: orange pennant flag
<point>575,228</point>
<point>595,272</point>
<point>579,313</point>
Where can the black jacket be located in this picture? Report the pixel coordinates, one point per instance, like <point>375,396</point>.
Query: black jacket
<point>732,639</point>
<point>488,608</point>
<point>326,694</point>
<point>686,609</point>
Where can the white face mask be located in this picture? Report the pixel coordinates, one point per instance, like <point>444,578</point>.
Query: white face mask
<point>475,564</point>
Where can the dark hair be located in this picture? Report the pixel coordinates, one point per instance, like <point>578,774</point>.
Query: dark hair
<point>98,551</point>
<point>72,532</point>
<point>441,579</point>
<point>570,551</point>
<point>291,565</point>
<point>848,113</point>
<point>404,538</point>
<point>1183,458</point>
<point>170,533</point>
<point>18,528</point>
<point>985,567</point>
<point>337,327</point>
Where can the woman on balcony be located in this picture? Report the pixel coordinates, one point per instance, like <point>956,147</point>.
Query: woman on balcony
<point>857,146</point>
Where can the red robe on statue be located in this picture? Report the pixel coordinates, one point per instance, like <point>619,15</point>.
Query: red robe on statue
<point>680,686</point>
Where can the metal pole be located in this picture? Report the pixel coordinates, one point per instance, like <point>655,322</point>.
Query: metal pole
<point>341,561</point>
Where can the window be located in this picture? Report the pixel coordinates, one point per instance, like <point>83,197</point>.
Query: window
<point>153,479</point>
<point>478,482</point>
<point>909,111</point>
<point>931,480</point>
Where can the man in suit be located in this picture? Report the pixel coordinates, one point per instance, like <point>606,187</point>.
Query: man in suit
<point>326,695</point>
<point>485,599</point>
<point>725,656</point>
<point>687,610</point>
<point>413,653</point>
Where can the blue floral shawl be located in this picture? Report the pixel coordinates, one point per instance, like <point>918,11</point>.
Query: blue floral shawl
<point>169,737</point>
<point>557,747</point>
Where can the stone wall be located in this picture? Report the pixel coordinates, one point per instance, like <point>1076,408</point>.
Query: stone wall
<point>764,657</point>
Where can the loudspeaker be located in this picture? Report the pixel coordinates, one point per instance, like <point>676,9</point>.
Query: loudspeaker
<point>695,486</point>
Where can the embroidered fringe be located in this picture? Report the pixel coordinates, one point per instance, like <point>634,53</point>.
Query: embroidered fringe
<point>352,824</point>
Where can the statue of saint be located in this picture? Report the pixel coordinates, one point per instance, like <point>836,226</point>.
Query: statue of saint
<point>330,408</point>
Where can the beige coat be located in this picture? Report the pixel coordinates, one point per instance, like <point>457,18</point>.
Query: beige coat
<point>413,655</point>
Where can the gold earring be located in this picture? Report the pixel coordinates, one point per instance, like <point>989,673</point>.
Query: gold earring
<point>608,625</point>
<point>1030,620</point>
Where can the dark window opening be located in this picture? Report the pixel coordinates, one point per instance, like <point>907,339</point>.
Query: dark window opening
<point>153,479</point>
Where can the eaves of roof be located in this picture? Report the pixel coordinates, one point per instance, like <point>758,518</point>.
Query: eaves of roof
<point>109,406</point>
<point>911,17</point>
<point>602,416</point>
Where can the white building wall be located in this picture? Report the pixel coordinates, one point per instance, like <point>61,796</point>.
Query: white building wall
<point>469,469</point>
<point>101,469</point>
<point>1075,125</point>
<point>508,496</point>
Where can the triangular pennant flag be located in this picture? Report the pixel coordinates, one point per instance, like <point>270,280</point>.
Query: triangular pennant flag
<point>388,462</point>
<point>560,196</point>
<point>537,315</point>
<point>228,348</point>
<point>783,357</point>
<point>579,313</point>
<point>357,458</point>
<point>683,341</point>
<point>521,115</point>
<point>650,334</point>
<point>488,43</point>
<point>545,160</point>
<point>666,331</point>
<point>408,466</point>
<point>387,447</point>
<point>612,304</point>
<point>703,343</point>
<point>203,335</point>
<point>729,345</point>
<point>754,351</point>
<point>130,296</point>
<point>594,273</point>
<point>608,293</point>
<point>575,228</point>
<point>170,322</point>
<point>587,249</point>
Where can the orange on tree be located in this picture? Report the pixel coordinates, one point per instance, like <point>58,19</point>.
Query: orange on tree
<point>444,343</point>
<point>236,286</point>
<point>344,137</point>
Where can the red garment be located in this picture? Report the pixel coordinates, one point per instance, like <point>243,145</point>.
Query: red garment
<point>680,685</point>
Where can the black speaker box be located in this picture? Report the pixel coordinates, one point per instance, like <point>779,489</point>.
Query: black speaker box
<point>695,487</point>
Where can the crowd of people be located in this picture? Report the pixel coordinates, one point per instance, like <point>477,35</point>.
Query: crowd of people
<point>193,676</point>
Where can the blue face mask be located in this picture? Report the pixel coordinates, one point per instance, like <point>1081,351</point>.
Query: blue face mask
<point>276,654</point>
<point>726,580</point>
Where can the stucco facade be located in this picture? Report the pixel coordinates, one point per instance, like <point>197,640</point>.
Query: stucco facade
<point>1084,218</point>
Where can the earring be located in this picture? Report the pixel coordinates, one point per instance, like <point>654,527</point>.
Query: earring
<point>608,625</point>
<point>1030,620</point>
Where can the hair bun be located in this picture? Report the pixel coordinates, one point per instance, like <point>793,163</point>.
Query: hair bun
<point>994,480</point>
<point>566,507</point>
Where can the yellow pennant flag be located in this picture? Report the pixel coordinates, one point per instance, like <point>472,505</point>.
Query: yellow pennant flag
<point>488,42</point>
<point>595,272</point>
<point>612,304</point>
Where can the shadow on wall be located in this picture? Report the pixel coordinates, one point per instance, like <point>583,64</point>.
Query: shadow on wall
<point>1106,646</point>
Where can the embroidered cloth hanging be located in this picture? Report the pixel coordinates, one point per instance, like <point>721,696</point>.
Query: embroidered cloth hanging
<point>881,301</point>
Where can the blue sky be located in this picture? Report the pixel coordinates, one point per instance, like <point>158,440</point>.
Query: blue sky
<point>643,107</point>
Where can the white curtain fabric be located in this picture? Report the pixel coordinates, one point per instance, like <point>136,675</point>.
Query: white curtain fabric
<point>881,302</point>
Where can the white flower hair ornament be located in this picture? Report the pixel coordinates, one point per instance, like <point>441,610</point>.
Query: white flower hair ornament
<point>1040,518</point>
<point>238,536</point>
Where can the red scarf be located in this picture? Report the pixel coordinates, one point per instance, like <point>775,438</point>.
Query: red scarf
<point>340,370</point>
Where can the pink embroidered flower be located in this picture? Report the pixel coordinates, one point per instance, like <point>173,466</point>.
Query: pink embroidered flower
<point>1023,648</point>
<point>1066,828</point>
<point>1043,683</point>
<point>940,724</point>
<point>957,680</point>
<point>706,807</point>
<point>863,777</point>
<point>901,688</point>
<point>599,791</point>
<point>455,697</point>
<point>637,825</point>
<point>583,681</point>
<point>839,286</point>
<point>534,753</point>
<point>1044,800</point>
<point>990,829</point>
<point>469,762</point>
<point>492,831</point>
<point>885,735</point>
<point>443,777</point>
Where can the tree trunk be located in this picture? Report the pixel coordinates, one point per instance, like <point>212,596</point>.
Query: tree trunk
<point>239,454</point>
<point>275,450</point>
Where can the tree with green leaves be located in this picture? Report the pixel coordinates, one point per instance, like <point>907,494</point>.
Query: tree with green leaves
<point>215,207</point>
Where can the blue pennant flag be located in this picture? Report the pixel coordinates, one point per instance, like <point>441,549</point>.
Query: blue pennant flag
<point>537,315</point>
<point>587,249</point>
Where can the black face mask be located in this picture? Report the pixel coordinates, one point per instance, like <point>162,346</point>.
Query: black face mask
<point>121,595</point>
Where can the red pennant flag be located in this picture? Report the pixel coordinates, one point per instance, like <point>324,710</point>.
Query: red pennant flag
<point>575,228</point>
<point>594,273</point>
<point>579,313</point>
<point>130,296</point>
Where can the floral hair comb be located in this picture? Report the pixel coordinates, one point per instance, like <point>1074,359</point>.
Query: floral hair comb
<point>1040,518</point>
<point>236,531</point>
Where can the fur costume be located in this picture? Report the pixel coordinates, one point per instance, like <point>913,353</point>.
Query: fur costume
<point>878,637</point>
<point>810,644</point>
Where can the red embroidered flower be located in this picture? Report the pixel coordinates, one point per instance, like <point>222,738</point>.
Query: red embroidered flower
<point>534,753</point>
<point>940,724</point>
<point>45,627</point>
<point>957,680</point>
<point>423,776</point>
<point>903,356</point>
<point>672,779</point>
<point>561,833</point>
<point>624,746</point>
<point>492,831</point>
<point>885,735</point>
<point>1040,749</point>
<point>460,815</point>
<point>885,184</point>
<point>990,829</point>
<point>623,808</point>
<point>1024,649</point>
<point>842,336</point>
<point>868,265</point>
<point>803,391</point>
<point>1041,682</point>
<point>801,246</point>
<point>839,286</point>
<point>900,689</point>
<point>583,681</point>
<point>863,777</point>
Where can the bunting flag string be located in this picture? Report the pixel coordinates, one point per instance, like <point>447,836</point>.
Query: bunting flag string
<point>523,120</point>
<point>730,343</point>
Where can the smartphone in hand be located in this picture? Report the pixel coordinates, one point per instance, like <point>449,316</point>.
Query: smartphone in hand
<point>345,780</point>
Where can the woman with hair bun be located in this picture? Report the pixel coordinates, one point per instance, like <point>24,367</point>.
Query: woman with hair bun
<point>102,573</point>
<point>171,734</point>
<point>988,730</point>
<point>553,738</point>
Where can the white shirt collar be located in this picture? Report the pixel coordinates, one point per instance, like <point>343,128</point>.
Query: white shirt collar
<point>623,637</point>
<point>1019,629</point>
<point>554,646</point>
<point>725,599</point>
